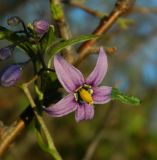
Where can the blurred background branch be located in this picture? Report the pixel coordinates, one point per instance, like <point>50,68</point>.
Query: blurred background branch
<point>99,135</point>
<point>145,10</point>
<point>6,6</point>
<point>62,26</point>
<point>121,7</point>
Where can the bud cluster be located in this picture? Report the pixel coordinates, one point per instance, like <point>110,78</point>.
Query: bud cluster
<point>12,73</point>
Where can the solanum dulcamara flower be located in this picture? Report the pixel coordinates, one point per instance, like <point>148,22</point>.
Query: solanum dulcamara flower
<point>83,93</point>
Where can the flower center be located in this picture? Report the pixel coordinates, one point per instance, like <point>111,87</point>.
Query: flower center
<point>84,93</point>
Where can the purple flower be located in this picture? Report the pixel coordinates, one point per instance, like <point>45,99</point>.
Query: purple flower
<point>5,53</point>
<point>82,93</point>
<point>10,75</point>
<point>41,26</point>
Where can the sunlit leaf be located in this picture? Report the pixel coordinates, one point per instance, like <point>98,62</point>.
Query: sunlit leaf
<point>42,144</point>
<point>63,44</point>
<point>118,95</point>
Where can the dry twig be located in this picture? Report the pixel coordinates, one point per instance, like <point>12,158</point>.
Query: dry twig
<point>121,7</point>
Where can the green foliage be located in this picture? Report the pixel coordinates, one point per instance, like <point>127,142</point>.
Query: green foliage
<point>49,38</point>
<point>14,38</point>
<point>8,35</point>
<point>124,23</point>
<point>44,146</point>
<point>53,49</point>
<point>118,95</point>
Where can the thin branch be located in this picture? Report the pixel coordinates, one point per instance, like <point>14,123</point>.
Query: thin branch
<point>10,135</point>
<point>83,7</point>
<point>108,50</point>
<point>48,137</point>
<point>25,118</point>
<point>62,26</point>
<point>121,7</point>
<point>145,10</point>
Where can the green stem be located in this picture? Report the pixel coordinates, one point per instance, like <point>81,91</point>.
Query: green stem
<point>48,137</point>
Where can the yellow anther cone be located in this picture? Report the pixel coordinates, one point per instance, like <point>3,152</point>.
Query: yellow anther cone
<point>85,96</point>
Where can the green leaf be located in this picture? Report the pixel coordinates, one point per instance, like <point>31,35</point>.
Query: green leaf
<point>42,144</point>
<point>14,38</point>
<point>118,95</point>
<point>40,141</point>
<point>2,35</point>
<point>8,35</point>
<point>53,49</point>
<point>49,38</point>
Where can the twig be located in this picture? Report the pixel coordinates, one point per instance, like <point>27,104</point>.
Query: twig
<point>10,135</point>
<point>108,50</point>
<point>62,26</point>
<point>16,128</point>
<point>42,124</point>
<point>121,7</point>
<point>83,7</point>
<point>145,10</point>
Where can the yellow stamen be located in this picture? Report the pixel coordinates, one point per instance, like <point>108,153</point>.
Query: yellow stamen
<point>85,96</point>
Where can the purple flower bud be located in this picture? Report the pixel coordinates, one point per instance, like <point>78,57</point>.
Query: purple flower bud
<point>10,75</point>
<point>13,21</point>
<point>41,26</point>
<point>5,53</point>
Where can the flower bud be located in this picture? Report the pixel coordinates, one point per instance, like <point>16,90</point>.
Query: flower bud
<point>41,26</point>
<point>5,53</point>
<point>10,75</point>
<point>13,21</point>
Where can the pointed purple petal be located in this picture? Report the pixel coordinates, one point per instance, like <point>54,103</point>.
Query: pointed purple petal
<point>84,112</point>
<point>99,72</point>
<point>70,77</point>
<point>89,111</point>
<point>102,94</point>
<point>63,107</point>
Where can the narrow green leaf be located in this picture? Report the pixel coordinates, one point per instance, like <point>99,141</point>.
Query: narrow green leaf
<point>7,34</point>
<point>2,35</point>
<point>42,144</point>
<point>49,38</point>
<point>40,141</point>
<point>14,38</point>
<point>118,95</point>
<point>53,49</point>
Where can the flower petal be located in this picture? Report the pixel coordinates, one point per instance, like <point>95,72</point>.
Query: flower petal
<point>84,112</point>
<point>70,77</point>
<point>99,72</point>
<point>102,94</point>
<point>63,107</point>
